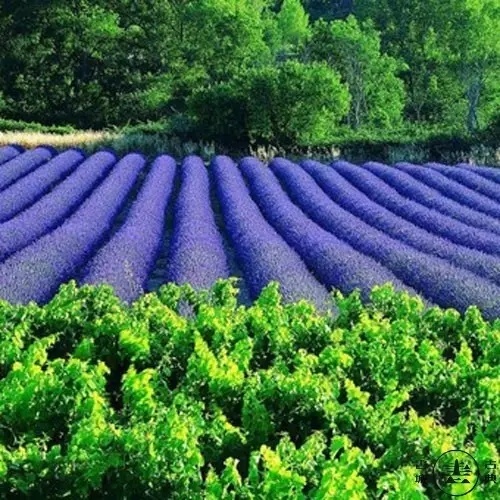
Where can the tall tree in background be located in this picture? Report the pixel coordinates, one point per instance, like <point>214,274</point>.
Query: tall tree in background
<point>223,36</point>
<point>419,33</point>
<point>452,51</point>
<point>292,23</point>
<point>77,62</point>
<point>215,40</point>
<point>476,53</point>
<point>377,94</point>
<point>95,63</point>
<point>289,104</point>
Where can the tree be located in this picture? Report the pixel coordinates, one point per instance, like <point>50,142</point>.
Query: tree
<point>452,50</point>
<point>224,36</point>
<point>78,62</point>
<point>96,63</point>
<point>293,103</point>
<point>419,33</point>
<point>328,9</point>
<point>352,49</point>
<point>293,25</point>
<point>476,52</point>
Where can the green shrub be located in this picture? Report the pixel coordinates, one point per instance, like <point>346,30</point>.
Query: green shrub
<point>99,399</point>
<point>20,126</point>
<point>292,103</point>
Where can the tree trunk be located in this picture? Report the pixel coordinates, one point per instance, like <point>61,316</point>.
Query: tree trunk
<point>473,96</point>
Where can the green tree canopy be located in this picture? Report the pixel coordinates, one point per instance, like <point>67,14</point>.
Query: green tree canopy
<point>293,25</point>
<point>293,103</point>
<point>378,95</point>
<point>99,63</point>
<point>95,63</point>
<point>475,55</point>
<point>451,48</point>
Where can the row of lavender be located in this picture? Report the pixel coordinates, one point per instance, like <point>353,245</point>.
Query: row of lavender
<point>433,230</point>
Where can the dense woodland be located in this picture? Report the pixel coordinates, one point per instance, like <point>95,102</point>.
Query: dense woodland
<point>254,71</point>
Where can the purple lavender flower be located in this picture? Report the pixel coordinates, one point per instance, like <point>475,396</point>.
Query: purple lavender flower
<point>126,260</point>
<point>435,278</point>
<point>196,253</point>
<point>490,173</point>
<point>33,186</point>
<point>428,197</point>
<point>449,188</point>
<point>426,218</point>
<point>468,178</point>
<point>54,207</point>
<point>35,273</point>
<point>262,254</point>
<point>355,202</point>
<point>7,153</point>
<point>23,164</point>
<point>333,261</point>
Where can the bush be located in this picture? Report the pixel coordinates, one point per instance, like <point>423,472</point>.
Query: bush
<point>293,103</point>
<point>20,126</point>
<point>103,400</point>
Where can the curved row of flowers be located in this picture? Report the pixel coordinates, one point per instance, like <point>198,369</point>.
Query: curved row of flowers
<point>465,196</point>
<point>23,164</point>
<point>126,260</point>
<point>196,253</point>
<point>429,197</point>
<point>262,253</point>
<point>310,227</point>
<point>334,262</point>
<point>33,186</point>
<point>490,173</point>
<point>55,207</point>
<point>8,153</point>
<point>36,272</point>
<point>357,203</point>
<point>426,218</point>
<point>470,179</point>
<point>435,278</point>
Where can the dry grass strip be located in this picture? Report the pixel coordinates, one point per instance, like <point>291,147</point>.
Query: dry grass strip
<point>77,139</point>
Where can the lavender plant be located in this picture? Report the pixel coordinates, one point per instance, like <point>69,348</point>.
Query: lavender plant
<point>23,164</point>
<point>33,186</point>
<point>261,252</point>
<point>436,279</point>
<point>36,272</point>
<point>468,178</point>
<point>53,208</point>
<point>426,218</point>
<point>450,188</point>
<point>9,152</point>
<point>427,196</point>
<point>333,261</point>
<point>196,253</point>
<point>354,201</point>
<point>490,173</point>
<point>125,261</point>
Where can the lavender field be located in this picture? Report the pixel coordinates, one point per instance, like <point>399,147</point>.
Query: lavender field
<point>432,230</point>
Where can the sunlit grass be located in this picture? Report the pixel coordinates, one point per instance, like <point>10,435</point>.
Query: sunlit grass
<point>77,139</point>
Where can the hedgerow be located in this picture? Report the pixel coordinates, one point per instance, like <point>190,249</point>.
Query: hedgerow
<point>101,399</point>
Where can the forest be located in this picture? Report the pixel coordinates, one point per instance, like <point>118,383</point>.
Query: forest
<point>238,72</point>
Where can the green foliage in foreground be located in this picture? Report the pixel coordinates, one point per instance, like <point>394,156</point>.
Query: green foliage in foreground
<point>189,395</point>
